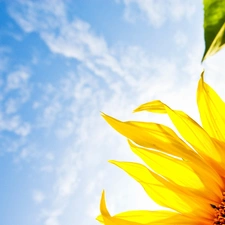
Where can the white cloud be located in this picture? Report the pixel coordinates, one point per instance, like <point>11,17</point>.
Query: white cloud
<point>23,129</point>
<point>50,156</point>
<point>17,83</point>
<point>156,12</point>
<point>52,216</point>
<point>50,113</point>
<point>11,106</point>
<point>67,174</point>
<point>25,152</point>
<point>182,10</point>
<point>78,35</point>
<point>14,124</point>
<point>17,80</point>
<point>37,12</point>
<point>14,93</point>
<point>67,179</point>
<point>65,130</point>
<point>93,182</point>
<point>38,196</point>
<point>47,169</point>
<point>180,39</point>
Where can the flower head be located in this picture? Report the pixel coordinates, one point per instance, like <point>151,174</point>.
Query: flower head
<point>186,175</point>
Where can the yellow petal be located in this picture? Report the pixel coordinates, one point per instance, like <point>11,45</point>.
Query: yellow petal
<point>165,193</point>
<point>180,171</point>
<point>156,106</point>
<point>153,106</point>
<point>100,219</point>
<point>152,135</point>
<point>107,219</point>
<point>172,168</point>
<point>160,137</point>
<point>200,205</point>
<point>103,208</point>
<point>189,130</point>
<point>211,109</point>
<point>144,217</point>
<point>155,189</point>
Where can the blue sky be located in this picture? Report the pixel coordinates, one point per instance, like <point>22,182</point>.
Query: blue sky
<point>62,63</point>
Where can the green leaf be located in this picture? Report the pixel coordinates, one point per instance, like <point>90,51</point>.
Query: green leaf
<point>214,26</point>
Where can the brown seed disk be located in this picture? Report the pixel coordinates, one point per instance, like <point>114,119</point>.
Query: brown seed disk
<point>219,212</point>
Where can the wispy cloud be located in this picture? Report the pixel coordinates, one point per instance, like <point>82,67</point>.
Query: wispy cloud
<point>38,196</point>
<point>157,12</point>
<point>180,39</point>
<point>15,82</point>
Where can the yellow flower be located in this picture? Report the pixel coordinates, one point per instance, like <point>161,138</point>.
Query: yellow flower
<point>187,177</point>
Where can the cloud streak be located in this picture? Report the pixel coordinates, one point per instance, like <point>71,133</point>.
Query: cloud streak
<point>157,12</point>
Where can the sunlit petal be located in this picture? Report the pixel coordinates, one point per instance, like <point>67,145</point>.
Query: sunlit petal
<point>142,217</point>
<point>211,109</point>
<point>177,170</point>
<point>191,131</point>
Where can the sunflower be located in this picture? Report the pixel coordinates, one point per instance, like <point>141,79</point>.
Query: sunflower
<point>186,175</point>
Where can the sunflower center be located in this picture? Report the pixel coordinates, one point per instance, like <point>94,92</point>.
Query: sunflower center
<point>220,212</point>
